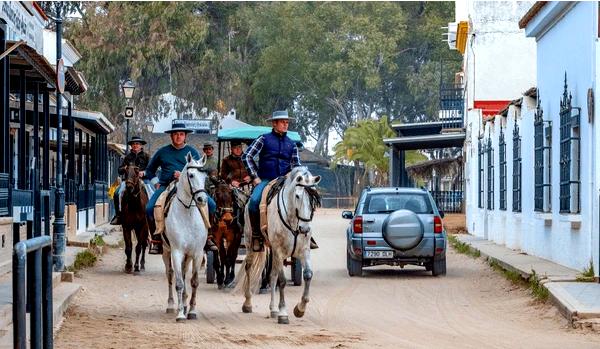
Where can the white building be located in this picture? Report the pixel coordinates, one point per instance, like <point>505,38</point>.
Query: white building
<point>538,190</point>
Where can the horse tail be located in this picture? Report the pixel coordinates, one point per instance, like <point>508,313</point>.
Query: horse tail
<point>253,264</point>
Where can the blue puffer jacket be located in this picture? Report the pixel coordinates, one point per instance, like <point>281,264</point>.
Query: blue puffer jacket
<point>275,156</point>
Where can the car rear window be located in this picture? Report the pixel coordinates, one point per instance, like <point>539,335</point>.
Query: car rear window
<point>390,202</point>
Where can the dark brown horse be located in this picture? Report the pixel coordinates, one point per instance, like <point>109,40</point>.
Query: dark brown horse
<point>227,233</point>
<point>133,217</point>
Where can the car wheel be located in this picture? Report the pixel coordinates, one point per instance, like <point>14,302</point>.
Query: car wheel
<point>354,266</point>
<point>438,266</point>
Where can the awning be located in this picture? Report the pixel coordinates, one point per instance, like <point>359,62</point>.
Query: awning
<point>95,121</point>
<point>250,133</point>
<point>445,140</point>
<point>26,57</point>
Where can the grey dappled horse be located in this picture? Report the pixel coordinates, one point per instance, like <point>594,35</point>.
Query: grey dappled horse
<point>289,217</point>
<point>186,233</point>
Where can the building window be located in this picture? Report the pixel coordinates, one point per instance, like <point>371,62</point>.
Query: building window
<point>542,201</point>
<point>490,174</point>
<point>569,154</point>
<point>480,172</point>
<point>516,169</point>
<point>502,170</point>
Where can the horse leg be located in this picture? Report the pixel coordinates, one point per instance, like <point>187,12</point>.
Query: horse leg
<point>300,308</point>
<point>195,281</point>
<point>247,306</point>
<point>177,260</point>
<point>274,276</point>
<point>128,248</point>
<point>232,251</point>
<point>282,318</point>
<point>138,251</point>
<point>184,269</point>
<point>220,264</point>
<point>264,287</point>
<point>144,240</point>
<point>169,271</point>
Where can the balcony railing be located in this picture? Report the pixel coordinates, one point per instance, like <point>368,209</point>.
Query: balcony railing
<point>448,201</point>
<point>452,100</point>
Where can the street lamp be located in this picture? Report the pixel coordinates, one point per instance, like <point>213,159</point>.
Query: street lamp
<point>128,88</point>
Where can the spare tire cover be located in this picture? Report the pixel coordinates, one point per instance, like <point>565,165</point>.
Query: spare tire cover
<point>403,230</point>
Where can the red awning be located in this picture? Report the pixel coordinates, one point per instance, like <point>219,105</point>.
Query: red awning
<point>490,108</point>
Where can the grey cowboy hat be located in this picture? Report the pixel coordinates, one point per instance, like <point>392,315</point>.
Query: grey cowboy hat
<point>280,115</point>
<point>136,139</point>
<point>179,127</point>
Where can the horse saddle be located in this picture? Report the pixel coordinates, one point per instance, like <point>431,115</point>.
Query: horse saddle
<point>163,204</point>
<point>268,194</point>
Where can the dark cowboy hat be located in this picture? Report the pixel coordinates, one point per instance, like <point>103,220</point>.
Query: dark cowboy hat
<point>235,143</point>
<point>208,145</point>
<point>136,139</point>
<point>280,115</point>
<point>179,127</point>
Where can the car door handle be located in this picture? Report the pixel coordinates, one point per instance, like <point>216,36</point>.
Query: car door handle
<point>369,221</point>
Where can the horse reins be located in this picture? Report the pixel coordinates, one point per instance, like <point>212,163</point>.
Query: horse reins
<point>295,232</point>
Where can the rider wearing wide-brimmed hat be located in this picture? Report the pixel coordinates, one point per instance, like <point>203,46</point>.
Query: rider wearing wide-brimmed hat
<point>233,170</point>
<point>277,154</point>
<point>171,159</point>
<point>136,157</point>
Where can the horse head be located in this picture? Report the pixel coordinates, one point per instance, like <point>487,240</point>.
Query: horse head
<point>192,179</point>
<point>224,200</point>
<point>302,198</point>
<point>132,181</point>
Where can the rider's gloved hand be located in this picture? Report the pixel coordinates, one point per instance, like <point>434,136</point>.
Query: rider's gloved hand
<point>256,181</point>
<point>176,174</point>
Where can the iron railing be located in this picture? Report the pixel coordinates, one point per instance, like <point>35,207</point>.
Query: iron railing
<point>85,197</point>
<point>339,202</point>
<point>542,182</point>
<point>516,169</point>
<point>448,201</point>
<point>71,190</point>
<point>101,192</point>
<point>490,174</point>
<point>480,195</point>
<point>569,147</point>
<point>452,98</point>
<point>502,168</point>
<point>4,195</point>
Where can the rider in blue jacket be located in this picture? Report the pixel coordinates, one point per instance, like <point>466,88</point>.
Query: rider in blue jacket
<point>171,159</point>
<point>278,154</point>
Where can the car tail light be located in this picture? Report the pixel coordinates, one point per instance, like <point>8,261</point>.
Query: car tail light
<point>357,225</point>
<point>437,225</point>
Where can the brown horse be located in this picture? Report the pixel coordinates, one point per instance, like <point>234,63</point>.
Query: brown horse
<point>133,217</point>
<point>227,232</point>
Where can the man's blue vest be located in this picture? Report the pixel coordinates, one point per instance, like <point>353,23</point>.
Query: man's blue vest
<point>275,156</point>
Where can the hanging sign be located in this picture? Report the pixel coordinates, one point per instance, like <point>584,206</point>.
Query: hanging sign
<point>60,76</point>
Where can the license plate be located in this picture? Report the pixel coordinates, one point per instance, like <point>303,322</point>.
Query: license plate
<point>379,254</point>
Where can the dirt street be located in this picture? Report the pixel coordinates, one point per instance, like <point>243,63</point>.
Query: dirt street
<point>471,307</point>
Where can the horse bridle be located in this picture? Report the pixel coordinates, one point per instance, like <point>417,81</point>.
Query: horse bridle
<point>139,188</point>
<point>193,200</point>
<point>295,232</point>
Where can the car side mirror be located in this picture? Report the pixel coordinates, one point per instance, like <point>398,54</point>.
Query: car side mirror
<point>442,214</point>
<point>347,214</point>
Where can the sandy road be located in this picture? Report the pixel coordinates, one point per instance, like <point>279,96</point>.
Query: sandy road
<point>471,307</point>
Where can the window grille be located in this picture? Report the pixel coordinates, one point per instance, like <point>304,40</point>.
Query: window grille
<point>542,146</point>
<point>569,154</point>
<point>516,169</point>
<point>490,174</point>
<point>480,149</point>
<point>502,169</point>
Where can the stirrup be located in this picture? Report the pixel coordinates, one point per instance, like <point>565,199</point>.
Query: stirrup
<point>155,247</point>
<point>258,244</point>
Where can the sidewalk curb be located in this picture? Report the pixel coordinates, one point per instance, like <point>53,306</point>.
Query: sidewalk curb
<point>557,297</point>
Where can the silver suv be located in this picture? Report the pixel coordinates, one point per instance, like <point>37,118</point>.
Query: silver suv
<point>395,226</point>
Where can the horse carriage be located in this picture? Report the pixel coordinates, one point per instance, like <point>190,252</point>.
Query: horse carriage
<point>246,135</point>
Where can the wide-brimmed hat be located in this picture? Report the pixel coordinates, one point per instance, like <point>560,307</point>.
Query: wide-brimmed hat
<point>208,145</point>
<point>136,139</point>
<point>179,127</point>
<point>235,143</point>
<point>280,115</point>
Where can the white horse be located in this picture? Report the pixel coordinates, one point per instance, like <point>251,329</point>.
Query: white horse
<point>186,233</point>
<point>289,216</point>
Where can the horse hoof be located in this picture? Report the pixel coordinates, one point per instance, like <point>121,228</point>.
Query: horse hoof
<point>137,270</point>
<point>180,319</point>
<point>263,291</point>
<point>274,314</point>
<point>246,309</point>
<point>297,312</point>
<point>283,320</point>
<point>192,316</point>
<point>128,270</point>
<point>170,310</point>
<point>143,268</point>
<point>220,287</point>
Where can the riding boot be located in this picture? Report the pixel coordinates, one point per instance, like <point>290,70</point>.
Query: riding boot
<point>313,244</point>
<point>116,220</point>
<point>210,244</point>
<point>258,241</point>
